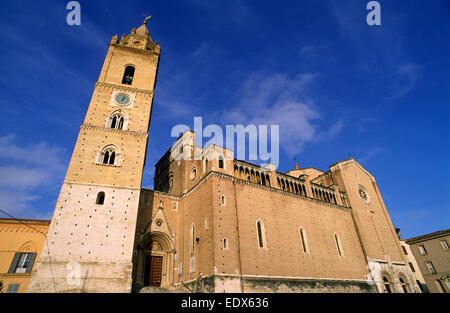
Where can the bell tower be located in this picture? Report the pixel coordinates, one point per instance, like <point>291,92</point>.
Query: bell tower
<point>92,231</point>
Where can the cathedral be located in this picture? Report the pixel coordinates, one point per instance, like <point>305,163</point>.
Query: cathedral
<point>212,223</point>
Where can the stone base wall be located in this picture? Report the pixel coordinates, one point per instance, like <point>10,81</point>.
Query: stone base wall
<point>93,277</point>
<point>287,285</point>
<point>234,284</point>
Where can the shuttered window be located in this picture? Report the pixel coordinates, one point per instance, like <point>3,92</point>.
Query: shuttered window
<point>13,288</point>
<point>22,263</point>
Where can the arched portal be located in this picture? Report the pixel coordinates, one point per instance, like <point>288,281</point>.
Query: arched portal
<point>156,260</point>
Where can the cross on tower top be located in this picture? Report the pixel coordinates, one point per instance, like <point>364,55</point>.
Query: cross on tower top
<point>147,17</point>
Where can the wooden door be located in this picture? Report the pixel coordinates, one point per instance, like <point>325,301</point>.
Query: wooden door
<point>153,270</point>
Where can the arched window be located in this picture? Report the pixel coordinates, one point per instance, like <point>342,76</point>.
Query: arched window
<point>260,231</point>
<point>303,240</point>
<point>108,156</point>
<point>114,122</point>
<point>387,284</point>
<point>205,165</point>
<point>117,121</point>
<point>128,75</point>
<point>120,125</point>
<point>338,245</point>
<point>100,198</point>
<point>193,173</point>
<point>440,286</point>
<point>404,285</point>
<point>220,161</point>
<point>193,238</point>
<point>112,157</point>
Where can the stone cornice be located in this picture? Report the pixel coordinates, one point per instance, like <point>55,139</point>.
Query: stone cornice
<point>123,87</point>
<point>246,182</point>
<point>113,130</point>
<point>136,50</point>
<point>160,194</point>
<point>281,278</point>
<point>386,261</point>
<point>349,162</point>
<point>271,189</point>
<point>72,182</point>
<point>23,220</point>
<point>303,278</point>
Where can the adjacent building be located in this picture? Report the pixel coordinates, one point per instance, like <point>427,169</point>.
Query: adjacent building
<point>432,256</point>
<point>21,242</point>
<point>414,266</point>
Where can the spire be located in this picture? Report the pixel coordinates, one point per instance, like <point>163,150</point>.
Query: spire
<point>143,30</point>
<point>139,38</point>
<point>296,164</point>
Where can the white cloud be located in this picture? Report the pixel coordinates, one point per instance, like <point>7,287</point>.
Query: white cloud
<point>404,79</point>
<point>22,178</point>
<point>41,154</point>
<point>370,154</point>
<point>279,100</point>
<point>27,173</point>
<point>311,51</point>
<point>17,203</point>
<point>200,51</point>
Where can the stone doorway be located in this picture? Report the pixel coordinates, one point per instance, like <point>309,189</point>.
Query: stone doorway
<point>155,261</point>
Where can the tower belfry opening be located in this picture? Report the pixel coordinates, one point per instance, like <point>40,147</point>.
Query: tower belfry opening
<point>128,75</point>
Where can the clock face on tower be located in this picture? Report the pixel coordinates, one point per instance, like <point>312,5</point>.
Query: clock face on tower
<point>122,99</point>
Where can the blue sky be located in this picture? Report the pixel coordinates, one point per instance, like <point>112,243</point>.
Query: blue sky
<point>335,85</point>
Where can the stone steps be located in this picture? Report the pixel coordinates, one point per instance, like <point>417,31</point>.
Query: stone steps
<point>151,289</point>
